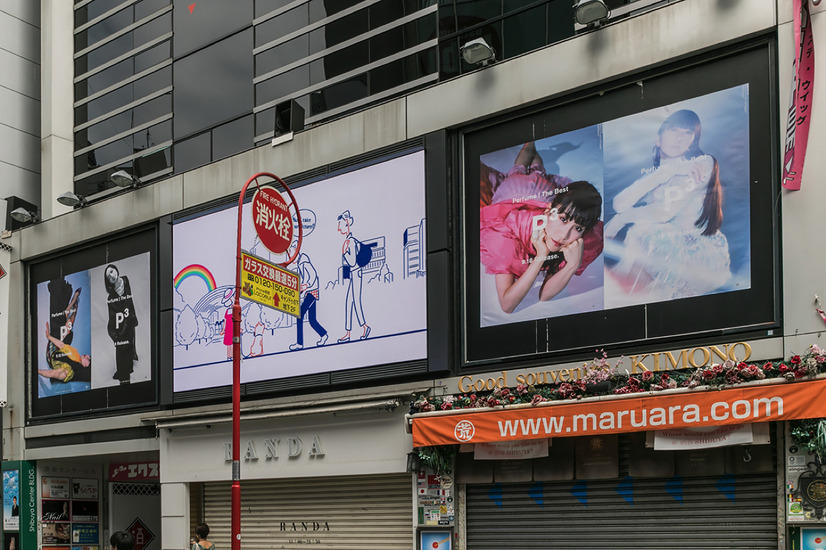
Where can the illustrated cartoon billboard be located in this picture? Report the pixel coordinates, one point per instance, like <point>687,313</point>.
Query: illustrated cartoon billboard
<point>619,217</point>
<point>362,273</point>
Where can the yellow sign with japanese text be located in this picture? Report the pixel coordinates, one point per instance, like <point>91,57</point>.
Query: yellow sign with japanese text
<point>270,285</point>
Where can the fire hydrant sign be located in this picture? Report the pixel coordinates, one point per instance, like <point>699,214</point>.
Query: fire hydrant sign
<point>269,285</point>
<point>272,220</point>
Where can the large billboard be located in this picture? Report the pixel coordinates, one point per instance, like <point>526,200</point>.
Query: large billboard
<point>362,282</point>
<point>92,328</point>
<point>616,218</point>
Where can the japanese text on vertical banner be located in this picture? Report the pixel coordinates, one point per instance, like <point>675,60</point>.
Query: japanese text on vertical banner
<point>800,103</point>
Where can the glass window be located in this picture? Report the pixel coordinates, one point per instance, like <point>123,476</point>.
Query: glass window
<point>153,56</point>
<point>478,11</point>
<point>282,85</point>
<point>339,94</point>
<point>560,21</point>
<point>284,24</point>
<point>214,84</point>
<point>523,32</point>
<point>97,182</point>
<point>283,54</point>
<point>265,121</point>
<point>94,9</point>
<point>346,28</point>
<point>232,137</point>
<point>209,20</point>
<point>147,7</point>
<point>348,59</point>
<point>191,153</point>
<point>263,7</point>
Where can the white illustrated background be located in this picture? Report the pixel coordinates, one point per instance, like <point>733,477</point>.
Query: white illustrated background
<point>385,202</point>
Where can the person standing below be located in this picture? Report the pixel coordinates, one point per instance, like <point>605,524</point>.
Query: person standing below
<point>201,534</point>
<point>121,540</point>
<point>309,297</point>
<point>351,272</point>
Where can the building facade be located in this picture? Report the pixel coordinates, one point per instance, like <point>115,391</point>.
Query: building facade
<point>641,158</point>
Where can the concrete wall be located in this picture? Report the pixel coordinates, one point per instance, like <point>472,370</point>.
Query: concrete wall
<point>19,101</point>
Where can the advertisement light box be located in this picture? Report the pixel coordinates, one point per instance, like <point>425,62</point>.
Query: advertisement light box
<point>362,283</point>
<point>623,217</point>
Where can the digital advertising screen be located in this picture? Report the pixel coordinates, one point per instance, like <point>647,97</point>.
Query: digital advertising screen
<point>92,329</point>
<point>623,216</point>
<point>362,290</point>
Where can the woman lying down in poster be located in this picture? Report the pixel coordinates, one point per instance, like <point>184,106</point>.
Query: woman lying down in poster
<point>537,224</point>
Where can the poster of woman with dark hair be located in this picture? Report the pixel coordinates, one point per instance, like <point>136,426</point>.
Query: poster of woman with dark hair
<point>122,321</point>
<point>120,310</point>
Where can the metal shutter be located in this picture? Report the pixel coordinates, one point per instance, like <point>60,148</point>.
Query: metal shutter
<point>363,512</point>
<point>729,512</point>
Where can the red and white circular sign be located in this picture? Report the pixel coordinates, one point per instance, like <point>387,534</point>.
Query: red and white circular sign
<point>272,220</point>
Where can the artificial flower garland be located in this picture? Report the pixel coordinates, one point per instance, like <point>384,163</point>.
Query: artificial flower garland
<point>601,378</point>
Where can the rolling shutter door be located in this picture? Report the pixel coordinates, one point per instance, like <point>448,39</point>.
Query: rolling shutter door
<point>365,512</point>
<point>681,512</point>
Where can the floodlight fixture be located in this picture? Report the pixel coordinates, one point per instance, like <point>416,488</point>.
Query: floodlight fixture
<point>24,216</point>
<point>591,12</point>
<point>70,199</point>
<point>122,178</point>
<point>478,52</point>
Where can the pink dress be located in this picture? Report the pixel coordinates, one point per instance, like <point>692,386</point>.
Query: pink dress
<point>228,327</point>
<point>505,237</point>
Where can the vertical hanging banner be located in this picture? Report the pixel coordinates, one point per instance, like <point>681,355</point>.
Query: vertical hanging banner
<point>800,103</point>
<point>5,260</point>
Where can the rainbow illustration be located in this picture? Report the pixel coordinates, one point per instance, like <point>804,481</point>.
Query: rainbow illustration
<point>195,270</point>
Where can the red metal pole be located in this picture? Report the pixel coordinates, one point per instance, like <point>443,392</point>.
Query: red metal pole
<point>235,524</point>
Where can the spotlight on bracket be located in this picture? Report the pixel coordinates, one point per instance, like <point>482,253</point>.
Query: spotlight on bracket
<point>590,12</point>
<point>478,52</point>
<point>122,178</point>
<point>70,199</point>
<point>24,216</point>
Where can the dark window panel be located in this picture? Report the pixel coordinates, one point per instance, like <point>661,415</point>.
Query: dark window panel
<point>148,7</point>
<point>427,62</point>
<point>345,60</point>
<point>282,85</point>
<point>191,153</point>
<point>387,43</point>
<point>107,52</point>
<point>346,28</point>
<point>94,9</point>
<point>233,137</point>
<point>523,32</point>
<point>126,94</point>
<point>109,76</point>
<point>560,21</point>
<point>281,55</point>
<point>109,26</point>
<point>265,121</point>
<point>210,20</point>
<point>473,13</point>
<point>387,76</point>
<point>449,59</point>
<point>317,73</point>
<point>153,29</point>
<point>286,23</point>
<point>263,7</point>
<point>447,17</point>
<point>426,28</point>
<point>153,56</point>
<point>153,82</point>
<point>321,9</point>
<point>339,94</point>
<point>152,109</point>
<point>152,136</point>
<point>318,41</point>
<point>214,84</point>
<point>385,12</point>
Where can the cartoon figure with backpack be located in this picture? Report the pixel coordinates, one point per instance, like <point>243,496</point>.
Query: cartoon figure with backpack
<point>355,255</point>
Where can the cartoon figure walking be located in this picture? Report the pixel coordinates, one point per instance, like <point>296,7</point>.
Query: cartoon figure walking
<point>353,255</point>
<point>309,297</point>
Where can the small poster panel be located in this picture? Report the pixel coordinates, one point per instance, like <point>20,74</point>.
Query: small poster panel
<point>55,511</point>
<point>55,487</point>
<point>84,488</point>
<point>11,541</point>
<point>812,538</point>
<point>85,533</point>
<point>57,533</point>
<point>85,510</point>
<point>11,500</point>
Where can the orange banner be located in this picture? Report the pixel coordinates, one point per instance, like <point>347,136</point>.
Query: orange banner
<point>693,409</point>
